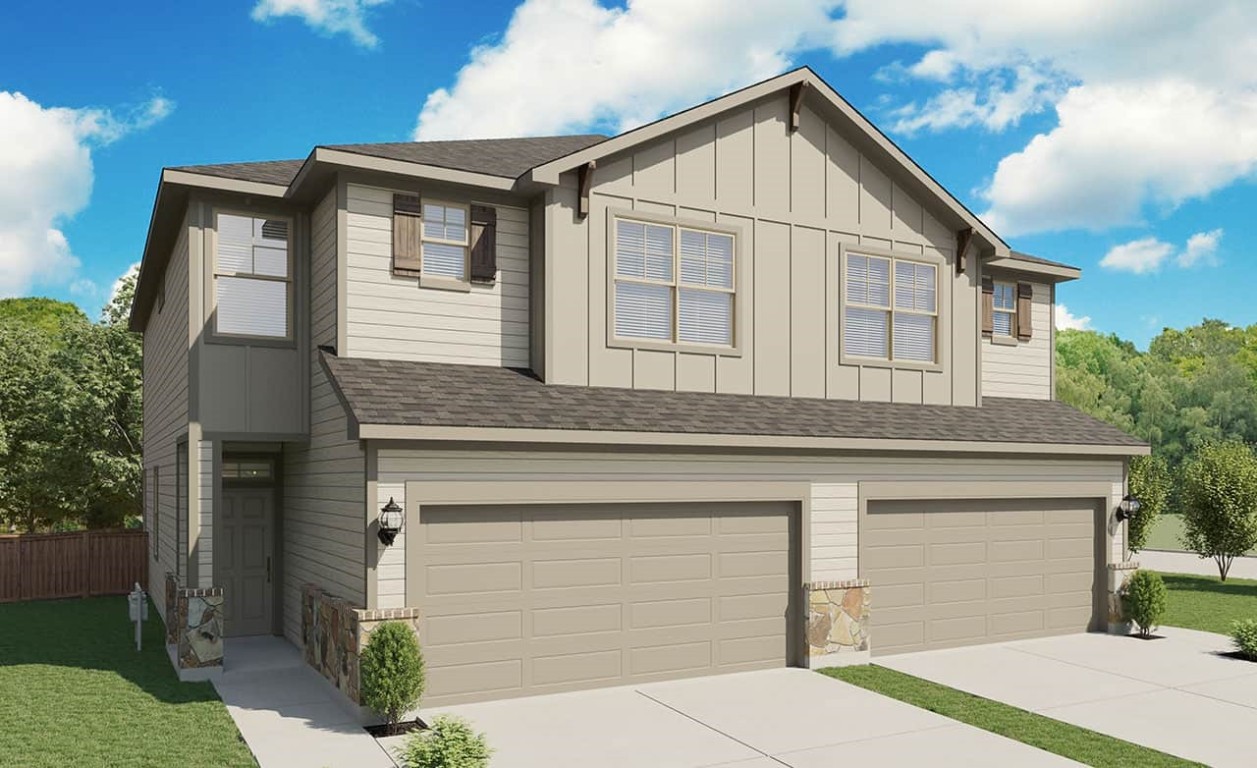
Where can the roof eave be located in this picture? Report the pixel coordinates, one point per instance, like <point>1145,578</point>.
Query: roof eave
<point>1057,273</point>
<point>338,158</point>
<point>369,431</point>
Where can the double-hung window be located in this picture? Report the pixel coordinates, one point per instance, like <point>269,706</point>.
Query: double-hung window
<point>891,309</point>
<point>673,283</point>
<point>445,240</point>
<point>253,277</point>
<point>1004,310</point>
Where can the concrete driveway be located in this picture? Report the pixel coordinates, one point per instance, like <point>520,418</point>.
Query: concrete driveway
<point>1178,694</point>
<point>786,717</point>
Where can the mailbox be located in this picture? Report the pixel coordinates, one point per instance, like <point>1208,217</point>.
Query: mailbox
<point>137,608</point>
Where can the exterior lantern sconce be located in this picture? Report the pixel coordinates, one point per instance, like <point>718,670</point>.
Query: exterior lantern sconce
<point>1129,507</point>
<point>391,518</point>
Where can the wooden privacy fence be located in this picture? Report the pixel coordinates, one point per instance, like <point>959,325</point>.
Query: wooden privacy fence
<point>46,566</point>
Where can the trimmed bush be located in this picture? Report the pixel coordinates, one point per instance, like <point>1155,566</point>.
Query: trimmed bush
<point>449,743</point>
<point>1145,601</point>
<point>391,669</point>
<point>1244,635</point>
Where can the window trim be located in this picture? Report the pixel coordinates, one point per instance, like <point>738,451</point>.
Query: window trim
<point>181,504</point>
<point>613,215</point>
<point>156,532</point>
<point>1010,339</point>
<point>213,334</point>
<point>445,282</point>
<point>838,281</point>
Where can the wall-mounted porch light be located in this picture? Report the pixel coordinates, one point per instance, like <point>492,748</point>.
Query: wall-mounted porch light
<point>391,518</point>
<point>1129,507</point>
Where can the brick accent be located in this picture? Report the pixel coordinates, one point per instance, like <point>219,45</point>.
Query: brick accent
<point>837,622</point>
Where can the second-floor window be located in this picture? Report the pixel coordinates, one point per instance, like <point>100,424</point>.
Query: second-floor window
<point>891,309</point>
<point>445,240</point>
<point>673,283</point>
<point>252,277</point>
<point>1004,314</point>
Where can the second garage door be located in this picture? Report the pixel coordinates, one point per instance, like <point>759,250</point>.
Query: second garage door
<point>951,573</point>
<point>530,599</point>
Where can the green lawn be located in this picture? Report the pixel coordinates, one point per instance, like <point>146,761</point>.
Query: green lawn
<point>1070,741</point>
<point>1207,604</point>
<point>74,692</point>
<point>1165,534</point>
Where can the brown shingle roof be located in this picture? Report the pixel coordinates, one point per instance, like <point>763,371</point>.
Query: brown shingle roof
<point>392,392</point>
<point>508,158</point>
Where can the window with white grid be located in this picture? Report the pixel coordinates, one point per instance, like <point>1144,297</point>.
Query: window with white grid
<point>252,277</point>
<point>673,283</point>
<point>1004,318</point>
<point>891,308</point>
<point>445,238</point>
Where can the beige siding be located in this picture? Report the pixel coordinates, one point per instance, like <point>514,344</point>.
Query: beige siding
<point>324,478</point>
<point>797,198</point>
<point>203,461</point>
<point>390,570</point>
<point>1023,369</point>
<point>390,317</point>
<point>832,527</point>
<point>166,406</point>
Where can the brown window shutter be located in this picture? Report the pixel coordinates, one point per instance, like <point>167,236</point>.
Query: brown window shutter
<point>1025,298</point>
<point>988,306</point>
<point>407,222</point>
<point>484,249</point>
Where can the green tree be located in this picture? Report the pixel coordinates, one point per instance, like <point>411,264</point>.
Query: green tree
<point>1150,482</point>
<point>1219,494</point>
<point>47,315</point>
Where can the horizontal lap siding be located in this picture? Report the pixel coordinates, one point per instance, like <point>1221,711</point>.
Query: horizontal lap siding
<point>166,406</point>
<point>324,478</point>
<point>1024,370</point>
<point>833,524</point>
<point>389,316</point>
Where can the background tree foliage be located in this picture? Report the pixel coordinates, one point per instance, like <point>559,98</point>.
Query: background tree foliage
<point>70,414</point>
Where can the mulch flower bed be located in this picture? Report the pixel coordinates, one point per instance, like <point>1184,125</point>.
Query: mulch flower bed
<point>384,730</point>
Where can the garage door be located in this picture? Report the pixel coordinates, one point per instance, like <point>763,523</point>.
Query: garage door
<point>537,599</point>
<point>950,573</point>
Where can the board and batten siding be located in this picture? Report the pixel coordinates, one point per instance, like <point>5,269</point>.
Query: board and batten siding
<point>324,477</point>
<point>834,484</point>
<point>797,199</point>
<point>390,317</point>
<point>166,345</point>
<point>1023,369</point>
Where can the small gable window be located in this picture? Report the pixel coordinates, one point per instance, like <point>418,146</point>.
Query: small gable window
<point>253,277</point>
<point>891,309</point>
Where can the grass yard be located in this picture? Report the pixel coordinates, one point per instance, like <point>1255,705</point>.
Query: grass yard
<point>1207,604</point>
<point>1165,534</point>
<point>1070,741</point>
<point>74,692</point>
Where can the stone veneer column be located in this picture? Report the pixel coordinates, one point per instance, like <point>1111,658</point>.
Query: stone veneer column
<point>837,623</point>
<point>194,626</point>
<point>1119,575</point>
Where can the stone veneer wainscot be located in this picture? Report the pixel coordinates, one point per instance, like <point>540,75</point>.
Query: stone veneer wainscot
<point>838,623</point>
<point>334,632</point>
<point>194,624</point>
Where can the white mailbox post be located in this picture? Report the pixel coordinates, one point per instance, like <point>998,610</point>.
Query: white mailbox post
<point>137,605</point>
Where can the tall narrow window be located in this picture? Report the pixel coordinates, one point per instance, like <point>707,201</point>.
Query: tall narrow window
<point>253,277</point>
<point>1004,316</point>
<point>445,239</point>
<point>891,309</point>
<point>673,283</point>
<point>156,532</point>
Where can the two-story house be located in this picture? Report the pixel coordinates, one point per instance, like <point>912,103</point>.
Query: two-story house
<point>744,387</point>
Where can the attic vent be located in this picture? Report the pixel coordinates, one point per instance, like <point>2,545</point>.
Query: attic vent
<point>275,229</point>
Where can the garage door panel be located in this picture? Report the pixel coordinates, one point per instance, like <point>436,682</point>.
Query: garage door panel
<point>585,595</point>
<point>1027,569</point>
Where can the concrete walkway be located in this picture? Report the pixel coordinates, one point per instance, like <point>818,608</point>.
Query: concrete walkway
<point>1178,694</point>
<point>288,714</point>
<point>1189,562</point>
<point>785,717</point>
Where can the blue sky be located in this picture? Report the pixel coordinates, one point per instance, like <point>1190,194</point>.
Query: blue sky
<point>1124,147</point>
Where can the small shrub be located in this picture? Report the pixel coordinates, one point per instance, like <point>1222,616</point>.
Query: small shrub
<point>1244,635</point>
<point>1145,601</point>
<point>391,670</point>
<point>449,743</point>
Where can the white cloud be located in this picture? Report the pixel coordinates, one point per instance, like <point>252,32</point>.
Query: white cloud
<point>329,17</point>
<point>1066,320</point>
<point>46,178</point>
<point>570,64</point>
<point>1148,254</point>
<point>1202,248</point>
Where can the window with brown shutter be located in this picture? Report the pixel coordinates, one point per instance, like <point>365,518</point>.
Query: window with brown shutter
<point>407,234</point>
<point>988,306</point>
<point>1025,299</point>
<point>484,251</point>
